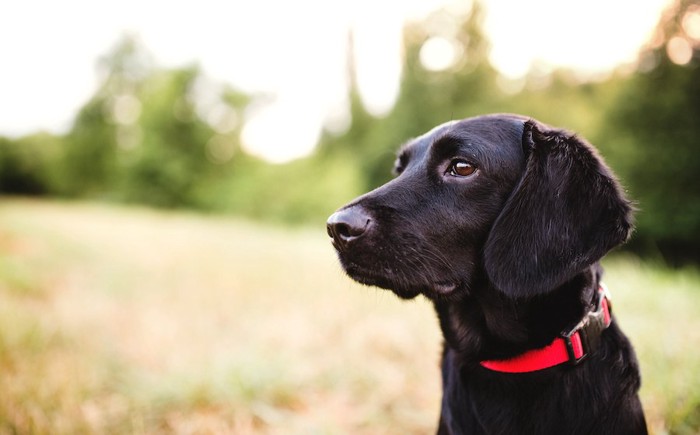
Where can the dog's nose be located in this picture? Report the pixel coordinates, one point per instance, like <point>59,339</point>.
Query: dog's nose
<point>347,224</point>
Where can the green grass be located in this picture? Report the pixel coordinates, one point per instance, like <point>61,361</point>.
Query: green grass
<point>123,320</point>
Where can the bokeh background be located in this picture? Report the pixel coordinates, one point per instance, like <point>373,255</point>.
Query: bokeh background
<point>166,171</point>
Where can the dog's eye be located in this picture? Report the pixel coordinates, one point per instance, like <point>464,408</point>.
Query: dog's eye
<point>461,168</point>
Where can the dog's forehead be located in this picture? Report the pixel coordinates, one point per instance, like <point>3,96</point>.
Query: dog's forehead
<point>490,127</point>
<point>497,129</point>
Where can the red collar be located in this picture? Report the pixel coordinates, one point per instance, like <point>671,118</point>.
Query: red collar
<point>572,346</point>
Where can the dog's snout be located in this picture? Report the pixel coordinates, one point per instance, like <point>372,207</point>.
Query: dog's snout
<point>347,224</point>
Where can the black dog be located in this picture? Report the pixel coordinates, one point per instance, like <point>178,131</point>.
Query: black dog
<point>501,220</point>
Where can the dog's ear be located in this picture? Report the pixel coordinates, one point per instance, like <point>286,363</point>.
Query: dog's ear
<point>564,214</point>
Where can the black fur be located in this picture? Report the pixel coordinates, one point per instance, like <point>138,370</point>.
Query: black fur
<point>509,256</point>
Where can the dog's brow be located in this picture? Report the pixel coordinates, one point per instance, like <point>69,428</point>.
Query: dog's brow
<point>446,144</point>
<point>405,151</point>
<point>446,139</point>
<point>402,157</point>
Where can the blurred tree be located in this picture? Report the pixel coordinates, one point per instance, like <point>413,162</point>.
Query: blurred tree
<point>159,137</point>
<point>654,126</point>
<point>561,99</point>
<point>164,143</point>
<point>446,75</point>
<point>27,165</point>
<point>226,164</point>
<point>91,146</point>
<point>355,146</point>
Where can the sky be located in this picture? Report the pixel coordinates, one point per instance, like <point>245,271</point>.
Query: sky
<point>294,51</point>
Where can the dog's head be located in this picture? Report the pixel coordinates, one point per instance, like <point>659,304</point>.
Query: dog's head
<point>499,198</point>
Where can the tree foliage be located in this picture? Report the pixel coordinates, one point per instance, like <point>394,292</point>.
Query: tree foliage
<point>654,127</point>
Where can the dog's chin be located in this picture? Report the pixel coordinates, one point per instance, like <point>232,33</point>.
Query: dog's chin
<point>382,282</point>
<point>436,290</point>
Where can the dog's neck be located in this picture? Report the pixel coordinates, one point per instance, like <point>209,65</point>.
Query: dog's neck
<point>489,325</point>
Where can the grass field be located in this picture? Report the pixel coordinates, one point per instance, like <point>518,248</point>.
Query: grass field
<point>122,320</point>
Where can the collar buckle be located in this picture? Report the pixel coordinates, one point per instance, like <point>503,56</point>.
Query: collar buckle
<point>585,337</point>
